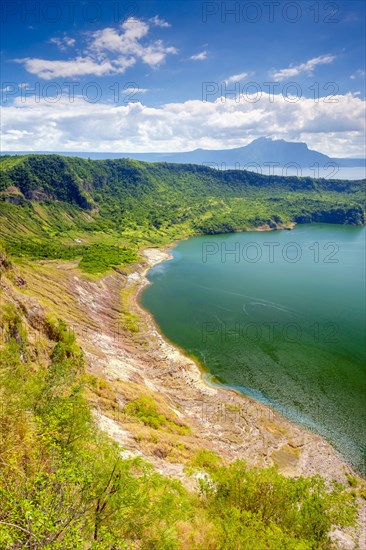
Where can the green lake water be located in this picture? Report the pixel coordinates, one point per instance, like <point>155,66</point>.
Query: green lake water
<point>279,316</point>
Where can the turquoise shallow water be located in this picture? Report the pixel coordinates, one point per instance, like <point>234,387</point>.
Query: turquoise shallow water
<point>279,316</point>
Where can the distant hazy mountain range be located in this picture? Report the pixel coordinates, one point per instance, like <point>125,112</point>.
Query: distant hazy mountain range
<point>262,151</point>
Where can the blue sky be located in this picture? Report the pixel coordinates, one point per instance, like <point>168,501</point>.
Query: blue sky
<point>170,76</point>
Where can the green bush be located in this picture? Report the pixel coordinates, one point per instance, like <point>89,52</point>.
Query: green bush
<point>145,410</point>
<point>265,509</point>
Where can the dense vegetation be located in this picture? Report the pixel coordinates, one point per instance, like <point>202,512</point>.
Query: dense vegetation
<point>49,203</point>
<point>64,485</point>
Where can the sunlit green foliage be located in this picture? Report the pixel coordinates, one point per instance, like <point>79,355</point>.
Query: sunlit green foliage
<point>48,201</point>
<point>98,258</point>
<point>65,486</point>
<point>259,508</point>
<point>146,410</point>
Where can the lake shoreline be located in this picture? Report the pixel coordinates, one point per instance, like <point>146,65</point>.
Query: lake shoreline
<point>125,350</point>
<point>196,376</point>
<point>155,256</point>
<point>164,254</point>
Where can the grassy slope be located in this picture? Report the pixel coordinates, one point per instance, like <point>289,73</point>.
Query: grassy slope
<point>64,485</point>
<point>48,490</point>
<point>48,201</point>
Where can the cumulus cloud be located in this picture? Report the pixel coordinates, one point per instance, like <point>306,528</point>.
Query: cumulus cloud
<point>336,129</point>
<point>307,67</point>
<point>159,22</point>
<point>199,56</point>
<point>63,42</point>
<point>236,78</point>
<point>109,51</point>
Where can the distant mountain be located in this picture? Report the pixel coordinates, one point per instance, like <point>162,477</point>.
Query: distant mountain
<point>262,151</point>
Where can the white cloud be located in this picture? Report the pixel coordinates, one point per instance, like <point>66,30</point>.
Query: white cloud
<point>109,51</point>
<point>12,88</point>
<point>307,67</point>
<point>63,42</point>
<point>236,78</point>
<point>199,56</point>
<point>135,90</point>
<point>80,66</point>
<point>159,22</point>
<point>336,129</point>
<point>360,73</point>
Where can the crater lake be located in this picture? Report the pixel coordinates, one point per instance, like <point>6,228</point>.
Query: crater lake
<point>278,316</point>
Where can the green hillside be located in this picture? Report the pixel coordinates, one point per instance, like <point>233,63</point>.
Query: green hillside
<point>65,486</point>
<point>63,483</point>
<point>68,207</point>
